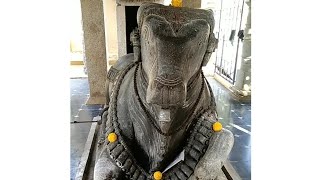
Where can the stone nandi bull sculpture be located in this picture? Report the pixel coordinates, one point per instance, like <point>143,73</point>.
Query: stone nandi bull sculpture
<point>160,104</point>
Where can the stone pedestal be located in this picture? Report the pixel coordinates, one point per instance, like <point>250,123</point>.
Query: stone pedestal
<point>242,86</point>
<point>94,49</point>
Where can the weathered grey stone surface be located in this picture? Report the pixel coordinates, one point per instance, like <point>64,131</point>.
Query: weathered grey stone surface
<point>209,167</point>
<point>94,49</point>
<point>160,103</point>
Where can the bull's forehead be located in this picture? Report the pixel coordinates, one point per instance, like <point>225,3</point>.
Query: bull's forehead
<point>173,14</point>
<point>175,32</point>
<point>170,48</point>
<point>165,42</point>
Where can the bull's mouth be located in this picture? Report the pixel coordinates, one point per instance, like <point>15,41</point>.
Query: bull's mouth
<point>164,120</point>
<point>166,92</point>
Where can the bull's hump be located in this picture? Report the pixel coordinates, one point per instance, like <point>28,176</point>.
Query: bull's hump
<point>123,105</point>
<point>123,62</point>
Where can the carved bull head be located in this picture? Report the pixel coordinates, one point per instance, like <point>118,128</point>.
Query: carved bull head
<point>175,44</point>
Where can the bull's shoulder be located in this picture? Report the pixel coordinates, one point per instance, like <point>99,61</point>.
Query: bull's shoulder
<point>120,65</point>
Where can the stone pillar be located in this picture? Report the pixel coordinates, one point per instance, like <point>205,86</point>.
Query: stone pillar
<point>94,49</point>
<point>191,3</point>
<point>110,19</point>
<point>121,27</point>
<point>243,76</point>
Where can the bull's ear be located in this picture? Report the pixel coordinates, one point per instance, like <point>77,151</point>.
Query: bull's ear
<point>135,42</point>
<point>212,45</point>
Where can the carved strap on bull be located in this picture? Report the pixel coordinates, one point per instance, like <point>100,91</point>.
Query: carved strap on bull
<point>112,74</point>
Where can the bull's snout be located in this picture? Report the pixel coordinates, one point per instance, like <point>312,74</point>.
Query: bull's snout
<point>166,91</point>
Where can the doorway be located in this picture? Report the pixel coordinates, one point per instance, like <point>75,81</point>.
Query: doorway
<point>131,24</point>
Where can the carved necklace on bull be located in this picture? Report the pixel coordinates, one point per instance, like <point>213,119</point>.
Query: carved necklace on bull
<point>196,146</point>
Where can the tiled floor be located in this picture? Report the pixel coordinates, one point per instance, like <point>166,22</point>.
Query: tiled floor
<point>234,115</point>
<point>79,91</point>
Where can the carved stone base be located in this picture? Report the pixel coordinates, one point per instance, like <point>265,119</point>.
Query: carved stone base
<point>236,94</point>
<point>239,95</point>
<point>96,100</point>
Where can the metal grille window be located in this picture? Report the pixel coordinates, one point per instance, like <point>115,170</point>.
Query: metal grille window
<point>228,18</point>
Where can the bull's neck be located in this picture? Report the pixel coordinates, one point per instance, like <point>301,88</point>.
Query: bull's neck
<point>162,149</point>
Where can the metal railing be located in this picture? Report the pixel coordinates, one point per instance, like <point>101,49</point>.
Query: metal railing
<point>229,35</point>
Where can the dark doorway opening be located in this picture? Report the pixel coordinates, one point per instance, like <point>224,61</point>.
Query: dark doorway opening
<point>131,23</point>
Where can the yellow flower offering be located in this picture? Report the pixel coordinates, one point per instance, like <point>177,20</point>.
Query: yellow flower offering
<point>112,137</point>
<point>176,3</point>
<point>217,126</point>
<point>157,175</point>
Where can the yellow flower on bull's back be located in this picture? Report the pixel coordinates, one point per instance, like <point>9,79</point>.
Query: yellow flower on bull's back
<point>176,3</point>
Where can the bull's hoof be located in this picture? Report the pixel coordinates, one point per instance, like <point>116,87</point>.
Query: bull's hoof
<point>105,169</point>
